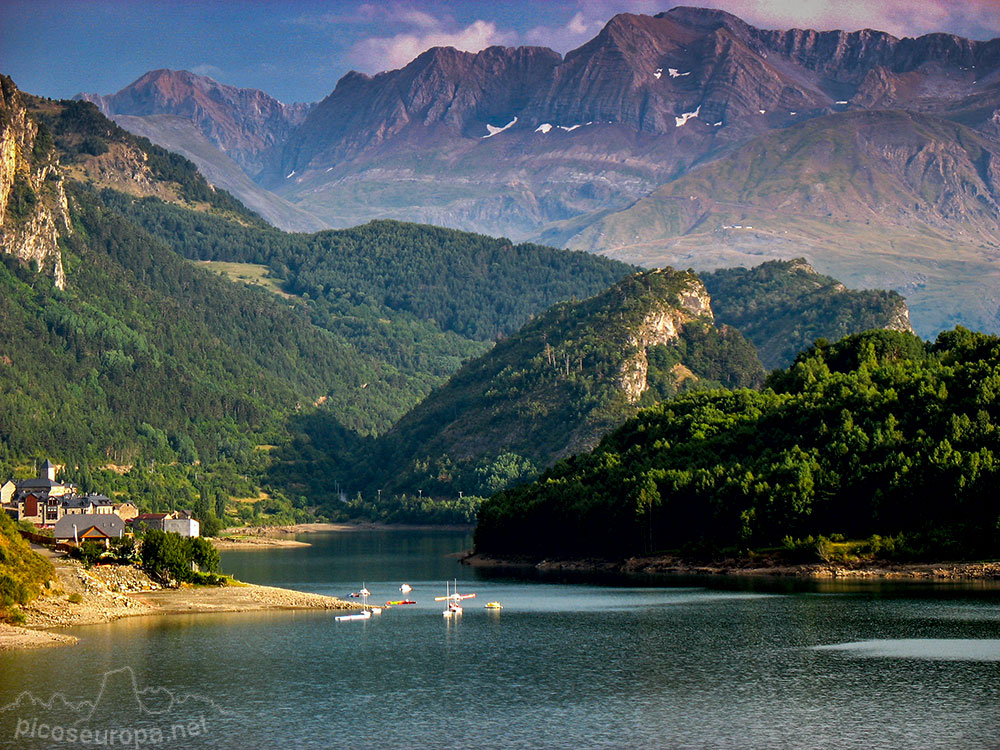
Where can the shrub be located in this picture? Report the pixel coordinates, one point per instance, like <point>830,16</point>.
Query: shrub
<point>164,556</point>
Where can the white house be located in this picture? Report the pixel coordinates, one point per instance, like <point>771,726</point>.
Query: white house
<point>182,526</point>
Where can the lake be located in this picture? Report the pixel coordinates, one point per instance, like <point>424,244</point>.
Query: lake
<point>568,663</point>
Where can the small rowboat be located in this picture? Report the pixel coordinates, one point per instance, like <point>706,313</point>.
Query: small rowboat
<point>359,616</point>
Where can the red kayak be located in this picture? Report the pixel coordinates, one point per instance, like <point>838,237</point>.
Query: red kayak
<point>401,601</point>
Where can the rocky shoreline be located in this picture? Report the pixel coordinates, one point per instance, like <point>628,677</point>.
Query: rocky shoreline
<point>103,593</point>
<point>674,566</point>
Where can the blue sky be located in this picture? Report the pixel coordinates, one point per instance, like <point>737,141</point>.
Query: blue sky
<point>297,50</point>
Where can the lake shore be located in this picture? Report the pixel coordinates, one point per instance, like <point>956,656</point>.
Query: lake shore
<point>673,566</point>
<point>277,533</point>
<point>105,593</point>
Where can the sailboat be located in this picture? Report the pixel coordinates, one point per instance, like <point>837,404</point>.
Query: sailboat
<point>366,611</point>
<point>452,608</point>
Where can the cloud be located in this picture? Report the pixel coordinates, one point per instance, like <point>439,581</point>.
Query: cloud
<point>387,53</point>
<point>978,19</point>
<point>578,30</point>
<point>209,71</point>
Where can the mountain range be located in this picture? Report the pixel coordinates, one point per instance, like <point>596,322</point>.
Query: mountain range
<point>871,156</point>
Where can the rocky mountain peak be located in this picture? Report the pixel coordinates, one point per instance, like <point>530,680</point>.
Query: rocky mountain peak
<point>241,122</point>
<point>706,20</point>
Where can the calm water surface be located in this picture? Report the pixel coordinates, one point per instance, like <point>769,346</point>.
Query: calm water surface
<point>566,664</point>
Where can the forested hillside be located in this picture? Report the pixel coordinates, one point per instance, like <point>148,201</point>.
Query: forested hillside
<point>475,286</point>
<point>784,306</point>
<point>878,434</point>
<point>559,384</point>
<point>22,571</point>
<point>159,381</point>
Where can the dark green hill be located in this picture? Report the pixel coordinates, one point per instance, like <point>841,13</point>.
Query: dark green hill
<point>560,383</point>
<point>784,306</point>
<point>475,286</point>
<point>879,434</point>
<point>143,360</point>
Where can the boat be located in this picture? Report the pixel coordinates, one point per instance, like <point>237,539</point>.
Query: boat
<point>359,616</point>
<point>453,607</point>
<point>371,609</point>
<point>406,588</point>
<point>400,601</point>
<point>494,605</point>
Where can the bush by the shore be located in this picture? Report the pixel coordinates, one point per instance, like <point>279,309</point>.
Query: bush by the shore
<point>22,571</point>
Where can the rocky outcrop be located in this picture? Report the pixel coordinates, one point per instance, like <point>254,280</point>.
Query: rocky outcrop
<point>661,325</point>
<point>462,92</point>
<point>33,207</point>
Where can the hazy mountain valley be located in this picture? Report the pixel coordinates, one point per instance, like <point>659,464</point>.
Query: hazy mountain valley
<point>663,141</point>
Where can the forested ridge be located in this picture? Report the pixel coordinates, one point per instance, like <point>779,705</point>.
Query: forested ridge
<point>145,361</point>
<point>559,384</point>
<point>422,298</point>
<point>878,434</point>
<point>783,306</point>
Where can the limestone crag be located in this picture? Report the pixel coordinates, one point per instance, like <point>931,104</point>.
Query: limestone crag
<point>661,325</point>
<point>33,206</point>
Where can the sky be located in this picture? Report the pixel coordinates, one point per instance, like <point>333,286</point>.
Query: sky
<point>297,50</point>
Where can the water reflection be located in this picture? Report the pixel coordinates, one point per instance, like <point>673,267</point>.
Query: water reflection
<point>947,649</point>
<point>570,661</point>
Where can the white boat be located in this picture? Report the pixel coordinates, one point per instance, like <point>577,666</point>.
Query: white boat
<point>452,608</point>
<point>366,612</point>
<point>359,616</point>
<point>406,588</point>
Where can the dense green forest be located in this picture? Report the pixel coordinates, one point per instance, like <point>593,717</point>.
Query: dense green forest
<point>147,362</point>
<point>784,306</point>
<point>160,382</point>
<point>558,385</point>
<point>877,434</point>
<point>420,298</point>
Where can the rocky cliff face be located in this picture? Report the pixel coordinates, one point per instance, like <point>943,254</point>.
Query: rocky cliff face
<point>33,208</point>
<point>468,94</point>
<point>241,122</point>
<point>660,326</point>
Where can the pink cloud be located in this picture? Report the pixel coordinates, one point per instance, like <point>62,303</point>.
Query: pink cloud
<point>977,19</point>
<point>387,53</point>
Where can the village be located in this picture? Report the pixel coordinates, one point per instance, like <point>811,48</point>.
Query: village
<point>72,518</point>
